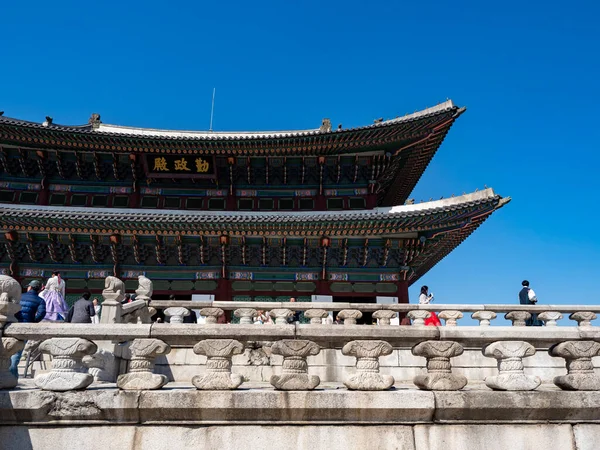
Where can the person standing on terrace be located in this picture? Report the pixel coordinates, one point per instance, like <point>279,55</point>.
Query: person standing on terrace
<point>424,299</point>
<point>527,297</point>
<point>54,296</point>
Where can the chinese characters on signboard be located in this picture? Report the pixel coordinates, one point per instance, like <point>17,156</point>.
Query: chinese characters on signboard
<point>181,165</point>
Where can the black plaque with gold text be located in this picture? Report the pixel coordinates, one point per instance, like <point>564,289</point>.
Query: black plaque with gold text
<point>179,166</point>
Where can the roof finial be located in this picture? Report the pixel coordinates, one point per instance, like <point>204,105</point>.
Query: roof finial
<point>1,113</point>
<point>325,125</point>
<point>94,120</point>
<point>48,121</point>
<point>378,120</point>
<point>340,126</point>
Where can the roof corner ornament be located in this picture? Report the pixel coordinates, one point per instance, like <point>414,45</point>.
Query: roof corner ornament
<point>48,121</point>
<point>95,120</point>
<point>378,120</point>
<point>325,126</point>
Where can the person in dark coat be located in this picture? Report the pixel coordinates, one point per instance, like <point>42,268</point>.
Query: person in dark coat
<point>82,310</point>
<point>33,310</point>
<point>528,297</point>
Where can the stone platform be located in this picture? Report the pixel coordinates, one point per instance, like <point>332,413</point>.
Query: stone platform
<point>256,416</point>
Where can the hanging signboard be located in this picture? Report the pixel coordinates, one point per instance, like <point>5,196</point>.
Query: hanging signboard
<point>179,166</point>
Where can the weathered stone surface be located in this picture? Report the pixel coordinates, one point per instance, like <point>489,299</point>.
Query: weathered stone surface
<point>587,436</point>
<point>211,315</point>
<point>349,316</point>
<point>578,356</point>
<point>140,375</point>
<point>510,356</point>
<point>367,355</point>
<point>145,289</point>
<point>113,294</point>
<point>242,437</point>
<point>493,437</point>
<point>272,407</point>
<point>315,315</point>
<point>295,375</point>
<point>518,318</point>
<point>329,437</point>
<point>246,315</point>
<point>384,316</point>
<point>450,317</point>
<point>281,315</point>
<point>101,365</point>
<point>550,317</point>
<point>10,298</point>
<point>8,347</point>
<point>68,372</point>
<point>218,374</point>
<point>418,316</point>
<point>484,317</point>
<point>439,375</point>
<point>583,318</point>
<point>478,404</point>
<point>177,314</point>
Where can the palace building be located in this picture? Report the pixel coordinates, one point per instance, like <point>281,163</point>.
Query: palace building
<point>237,215</point>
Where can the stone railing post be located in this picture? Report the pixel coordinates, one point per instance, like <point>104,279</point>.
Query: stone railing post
<point>211,314</point>
<point>9,347</point>
<point>10,297</point>
<point>384,316</point>
<point>218,374</point>
<point>583,318</point>
<point>177,314</point>
<point>367,377</point>
<point>580,369</point>
<point>511,376</point>
<point>316,315</point>
<point>68,372</point>
<point>418,316</point>
<point>439,375</point>
<point>550,317</point>
<point>518,318</point>
<point>281,315</point>
<point>113,294</point>
<point>450,317</point>
<point>294,376</point>
<point>140,375</point>
<point>484,317</point>
<point>349,316</point>
<point>246,315</point>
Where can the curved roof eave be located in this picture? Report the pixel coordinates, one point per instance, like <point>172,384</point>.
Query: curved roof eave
<point>108,130</point>
<point>99,215</point>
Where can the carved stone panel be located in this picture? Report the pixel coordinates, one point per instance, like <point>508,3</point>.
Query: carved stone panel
<point>68,372</point>
<point>511,375</point>
<point>295,375</point>
<point>140,376</point>
<point>578,357</point>
<point>218,374</point>
<point>439,375</point>
<point>367,377</point>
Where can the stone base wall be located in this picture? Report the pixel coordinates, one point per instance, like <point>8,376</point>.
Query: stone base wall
<point>339,437</point>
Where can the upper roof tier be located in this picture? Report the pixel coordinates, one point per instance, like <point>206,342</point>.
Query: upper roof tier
<point>387,135</point>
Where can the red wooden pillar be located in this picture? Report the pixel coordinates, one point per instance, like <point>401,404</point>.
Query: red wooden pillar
<point>402,291</point>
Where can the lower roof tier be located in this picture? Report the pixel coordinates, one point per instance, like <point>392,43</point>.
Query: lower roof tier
<point>403,242</point>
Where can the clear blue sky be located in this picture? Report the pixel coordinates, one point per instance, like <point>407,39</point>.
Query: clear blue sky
<point>528,72</point>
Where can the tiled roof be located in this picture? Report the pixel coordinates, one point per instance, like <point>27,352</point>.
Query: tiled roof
<point>395,219</point>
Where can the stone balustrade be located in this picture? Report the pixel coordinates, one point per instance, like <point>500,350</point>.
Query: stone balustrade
<point>509,345</point>
<point>350,313</point>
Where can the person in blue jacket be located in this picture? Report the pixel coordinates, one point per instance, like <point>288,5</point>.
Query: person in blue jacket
<point>33,309</point>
